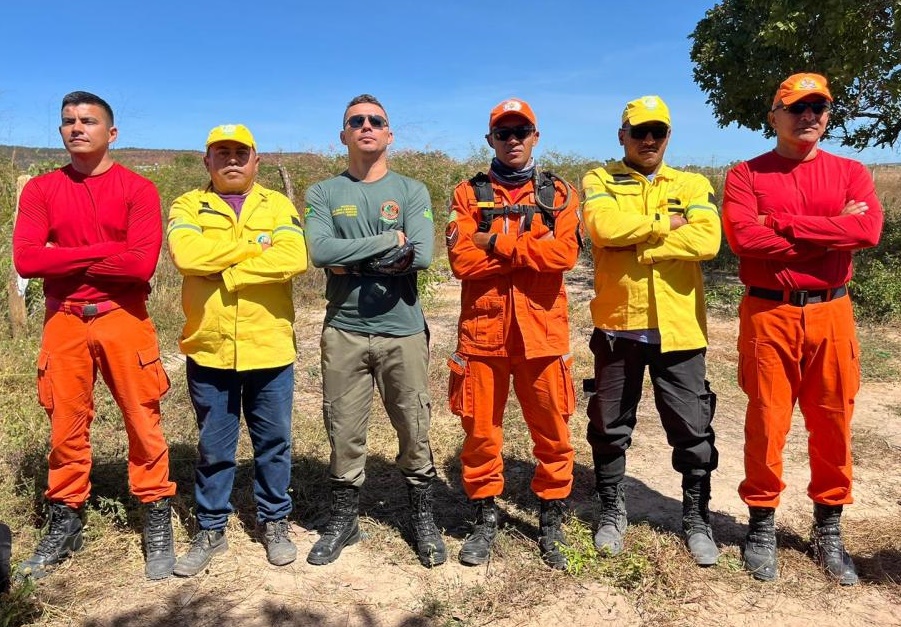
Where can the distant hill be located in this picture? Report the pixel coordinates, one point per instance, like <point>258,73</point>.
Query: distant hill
<point>23,156</point>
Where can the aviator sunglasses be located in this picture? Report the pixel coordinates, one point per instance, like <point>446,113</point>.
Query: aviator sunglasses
<point>797,108</point>
<point>657,131</point>
<point>375,121</point>
<point>519,132</point>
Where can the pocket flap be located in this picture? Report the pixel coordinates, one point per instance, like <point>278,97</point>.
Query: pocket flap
<point>149,355</point>
<point>457,364</point>
<point>43,360</point>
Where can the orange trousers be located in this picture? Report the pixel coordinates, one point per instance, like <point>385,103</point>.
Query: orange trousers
<point>122,345</point>
<point>478,391</point>
<point>806,355</point>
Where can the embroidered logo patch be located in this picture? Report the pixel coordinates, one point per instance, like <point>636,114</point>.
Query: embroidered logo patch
<point>389,211</point>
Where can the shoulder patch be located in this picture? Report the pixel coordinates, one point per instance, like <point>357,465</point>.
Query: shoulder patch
<point>451,234</point>
<point>308,211</point>
<point>427,214</point>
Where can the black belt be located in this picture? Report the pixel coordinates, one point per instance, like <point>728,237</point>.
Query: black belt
<point>799,298</point>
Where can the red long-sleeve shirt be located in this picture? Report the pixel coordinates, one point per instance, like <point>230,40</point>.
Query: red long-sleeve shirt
<point>91,238</point>
<point>804,242</point>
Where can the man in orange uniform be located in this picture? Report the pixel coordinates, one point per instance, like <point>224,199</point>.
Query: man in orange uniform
<point>794,216</point>
<point>93,231</point>
<point>511,236</point>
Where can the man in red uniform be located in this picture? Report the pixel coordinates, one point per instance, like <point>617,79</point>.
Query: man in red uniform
<point>511,236</point>
<point>794,216</point>
<point>93,231</point>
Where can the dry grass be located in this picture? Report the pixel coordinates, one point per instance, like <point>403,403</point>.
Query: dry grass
<point>654,573</point>
<point>653,582</point>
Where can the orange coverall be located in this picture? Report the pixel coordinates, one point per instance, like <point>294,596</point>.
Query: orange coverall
<point>513,321</point>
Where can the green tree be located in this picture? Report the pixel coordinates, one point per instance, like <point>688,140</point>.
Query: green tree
<point>743,48</point>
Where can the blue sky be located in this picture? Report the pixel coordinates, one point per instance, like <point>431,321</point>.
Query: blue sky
<point>172,70</point>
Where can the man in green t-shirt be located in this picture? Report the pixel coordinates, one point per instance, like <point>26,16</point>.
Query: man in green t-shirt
<point>372,230</point>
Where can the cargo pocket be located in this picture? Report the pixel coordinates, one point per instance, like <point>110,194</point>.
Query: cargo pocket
<point>155,380</point>
<point>567,391</point>
<point>327,420</point>
<point>855,369</point>
<point>424,420</point>
<point>45,386</point>
<point>482,325</point>
<point>458,386</point>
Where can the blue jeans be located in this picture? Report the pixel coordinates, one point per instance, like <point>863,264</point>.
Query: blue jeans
<point>218,396</point>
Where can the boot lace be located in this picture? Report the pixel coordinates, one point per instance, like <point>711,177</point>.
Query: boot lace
<point>277,531</point>
<point>159,529</point>
<point>51,543</point>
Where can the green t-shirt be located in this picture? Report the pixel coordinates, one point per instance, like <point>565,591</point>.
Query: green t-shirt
<point>348,221</point>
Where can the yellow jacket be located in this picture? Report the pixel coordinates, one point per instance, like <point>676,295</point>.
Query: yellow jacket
<point>647,276</point>
<point>239,314</point>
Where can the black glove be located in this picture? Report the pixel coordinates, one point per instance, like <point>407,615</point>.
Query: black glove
<point>396,261</point>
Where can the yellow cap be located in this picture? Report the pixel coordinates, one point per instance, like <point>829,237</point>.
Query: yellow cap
<point>231,133</point>
<point>646,109</point>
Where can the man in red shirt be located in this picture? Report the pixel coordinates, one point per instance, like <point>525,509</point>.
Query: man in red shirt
<point>794,216</point>
<point>93,231</point>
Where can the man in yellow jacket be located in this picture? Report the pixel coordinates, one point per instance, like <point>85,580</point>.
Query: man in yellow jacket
<point>650,227</point>
<point>238,245</point>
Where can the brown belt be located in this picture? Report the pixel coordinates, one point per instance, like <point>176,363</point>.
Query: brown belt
<point>799,298</point>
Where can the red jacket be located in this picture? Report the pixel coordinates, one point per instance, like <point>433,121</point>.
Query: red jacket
<point>520,282</point>
<point>91,238</point>
<point>804,242</point>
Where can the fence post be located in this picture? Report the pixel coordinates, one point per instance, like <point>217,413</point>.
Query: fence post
<point>17,285</point>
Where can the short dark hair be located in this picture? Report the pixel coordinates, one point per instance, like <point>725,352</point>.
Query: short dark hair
<point>86,97</point>
<point>362,99</point>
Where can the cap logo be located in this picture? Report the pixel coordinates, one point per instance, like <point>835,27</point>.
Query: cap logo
<point>228,129</point>
<point>649,102</point>
<point>513,105</point>
<point>807,83</point>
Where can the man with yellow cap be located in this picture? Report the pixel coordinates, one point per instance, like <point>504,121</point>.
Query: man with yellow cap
<point>238,245</point>
<point>650,227</point>
<point>794,216</point>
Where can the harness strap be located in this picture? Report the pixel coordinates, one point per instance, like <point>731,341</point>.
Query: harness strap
<point>489,210</point>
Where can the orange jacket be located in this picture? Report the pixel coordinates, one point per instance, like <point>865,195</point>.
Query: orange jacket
<point>520,281</point>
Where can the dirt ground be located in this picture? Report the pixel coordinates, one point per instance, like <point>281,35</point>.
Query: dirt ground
<point>378,583</point>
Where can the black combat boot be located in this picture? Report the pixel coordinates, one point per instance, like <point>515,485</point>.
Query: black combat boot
<point>696,519</point>
<point>429,544</point>
<point>159,545</point>
<point>6,547</point>
<point>613,522</point>
<point>342,528</point>
<point>550,533</point>
<point>477,545</point>
<point>63,538</point>
<point>826,542</point>
<point>759,554</point>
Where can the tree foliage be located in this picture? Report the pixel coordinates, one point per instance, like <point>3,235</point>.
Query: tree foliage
<point>743,49</point>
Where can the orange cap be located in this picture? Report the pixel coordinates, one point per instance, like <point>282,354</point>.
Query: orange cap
<point>798,86</point>
<point>511,106</point>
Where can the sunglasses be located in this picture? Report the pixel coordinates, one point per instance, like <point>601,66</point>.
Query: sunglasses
<point>657,131</point>
<point>797,108</point>
<point>375,121</point>
<point>519,132</point>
